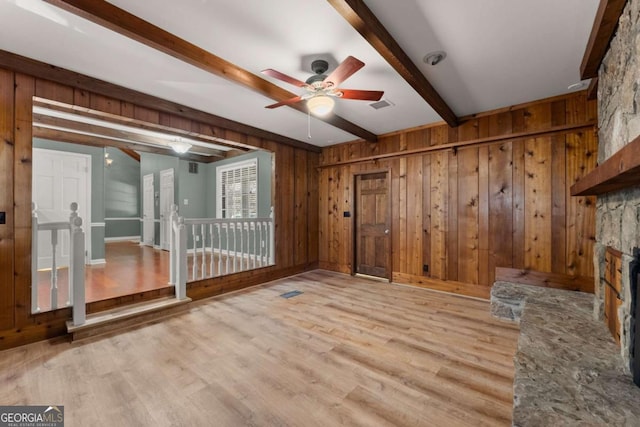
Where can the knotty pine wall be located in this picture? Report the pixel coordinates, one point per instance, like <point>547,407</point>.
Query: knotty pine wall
<point>493,192</point>
<point>295,203</point>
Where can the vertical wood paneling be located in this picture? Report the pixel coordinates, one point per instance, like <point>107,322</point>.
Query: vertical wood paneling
<point>538,204</point>
<point>426,213</point>
<point>439,213</point>
<point>414,216</point>
<point>559,191</point>
<point>581,158</point>
<point>6,199</point>
<point>480,207</point>
<point>501,207</point>
<point>402,230</point>
<point>312,207</point>
<point>24,91</point>
<point>518,203</point>
<point>300,206</point>
<point>484,275</point>
<point>452,220</point>
<point>467,221</point>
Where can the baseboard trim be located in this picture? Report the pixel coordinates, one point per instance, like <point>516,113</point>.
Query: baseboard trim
<point>122,239</point>
<point>98,261</point>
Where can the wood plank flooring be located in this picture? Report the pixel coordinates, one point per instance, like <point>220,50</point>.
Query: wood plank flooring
<point>130,269</point>
<point>348,351</point>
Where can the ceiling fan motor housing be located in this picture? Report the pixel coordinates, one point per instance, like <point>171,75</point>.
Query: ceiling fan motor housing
<point>319,67</point>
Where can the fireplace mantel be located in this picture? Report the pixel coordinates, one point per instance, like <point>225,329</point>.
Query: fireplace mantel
<point>622,170</point>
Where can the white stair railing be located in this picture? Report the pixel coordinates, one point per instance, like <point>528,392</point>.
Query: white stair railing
<point>76,292</point>
<point>220,246</point>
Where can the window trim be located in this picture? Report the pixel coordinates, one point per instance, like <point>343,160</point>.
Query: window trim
<point>232,166</point>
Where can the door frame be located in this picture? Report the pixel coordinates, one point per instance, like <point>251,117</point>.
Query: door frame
<point>86,222</point>
<point>354,228</point>
<point>145,220</point>
<point>163,220</point>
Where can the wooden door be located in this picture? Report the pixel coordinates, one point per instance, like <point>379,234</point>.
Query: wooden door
<point>372,236</point>
<point>166,200</point>
<point>60,178</point>
<point>148,212</point>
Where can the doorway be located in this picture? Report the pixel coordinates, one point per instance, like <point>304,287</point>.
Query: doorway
<point>372,232</point>
<point>60,178</point>
<point>148,210</point>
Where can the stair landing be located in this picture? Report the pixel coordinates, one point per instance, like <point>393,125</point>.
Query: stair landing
<point>127,316</point>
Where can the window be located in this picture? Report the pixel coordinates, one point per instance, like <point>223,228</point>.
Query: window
<point>237,195</point>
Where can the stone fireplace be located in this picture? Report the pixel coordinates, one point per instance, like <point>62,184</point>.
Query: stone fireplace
<point>618,210</point>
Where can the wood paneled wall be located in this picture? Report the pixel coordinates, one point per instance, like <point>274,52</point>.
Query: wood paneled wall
<point>493,192</point>
<point>295,189</point>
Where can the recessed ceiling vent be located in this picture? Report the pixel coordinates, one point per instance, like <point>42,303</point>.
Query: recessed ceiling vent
<point>383,103</point>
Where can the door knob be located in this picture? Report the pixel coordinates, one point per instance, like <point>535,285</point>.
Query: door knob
<point>386,231</point>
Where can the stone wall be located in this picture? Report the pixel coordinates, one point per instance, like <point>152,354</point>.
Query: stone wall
<point>618,213</point>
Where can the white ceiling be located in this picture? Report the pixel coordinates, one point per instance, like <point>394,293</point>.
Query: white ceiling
<point>499,53</point>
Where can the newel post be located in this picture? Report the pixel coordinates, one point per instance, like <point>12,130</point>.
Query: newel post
<point>76,271</point>
<point>173,254</point>
<point>181,252</point>
<point>272,237</point>
<point>34,259</point>
<point>72,217</point>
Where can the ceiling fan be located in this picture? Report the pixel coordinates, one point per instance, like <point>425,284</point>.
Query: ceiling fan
<point>321,89</point>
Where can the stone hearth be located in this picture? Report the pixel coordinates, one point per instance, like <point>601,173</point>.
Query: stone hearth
<point>568,370</point>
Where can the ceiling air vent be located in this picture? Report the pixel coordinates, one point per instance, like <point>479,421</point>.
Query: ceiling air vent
<point>381,104</point>
<point>193,167</point>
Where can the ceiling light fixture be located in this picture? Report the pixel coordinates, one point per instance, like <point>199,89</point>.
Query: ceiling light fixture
<point>180,146</point>
<point>107,160</point>
<point>434,58</point>
<point>321,105</point>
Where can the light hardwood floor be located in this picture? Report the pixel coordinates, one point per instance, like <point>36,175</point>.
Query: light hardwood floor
<point>348,351</point>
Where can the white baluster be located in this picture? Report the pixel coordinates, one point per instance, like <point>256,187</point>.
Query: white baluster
<point>219,249</point>
<point>226,235</point>
<point>211,274</point>
<point>203,265</point>
<point>181,274</point>
<point>35,308</point>
<point>241,224</point>
<point>194,258</point>
<point>262,246</point>
<point>54,270</point>
<point>271,237</point>
<point>76,271</point>
<point>255,243</point>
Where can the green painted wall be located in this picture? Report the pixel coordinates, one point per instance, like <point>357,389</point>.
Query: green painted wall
<point>97,190</point>
<point>152,164</point>
<point>122,194</point>
<point>265,165</point>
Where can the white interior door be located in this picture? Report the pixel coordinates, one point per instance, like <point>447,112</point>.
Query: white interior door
<point>60,178</point>
<point>166,200</point>
<point>148,213</point>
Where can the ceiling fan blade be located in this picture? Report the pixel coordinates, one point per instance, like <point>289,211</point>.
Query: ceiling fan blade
<point>280,76</point>
<point>343,72</point>
<point>365,95</point>
<point>285,102</point>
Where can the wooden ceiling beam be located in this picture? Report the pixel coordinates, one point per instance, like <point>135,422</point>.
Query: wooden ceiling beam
<point>122,22</point>
<point>21,64</point>
<point>92,129</point>
<point>604,28</point>
<point>131,153</point>
<point>103,141</point>
<point>141,124</point>
<point>367,24</point>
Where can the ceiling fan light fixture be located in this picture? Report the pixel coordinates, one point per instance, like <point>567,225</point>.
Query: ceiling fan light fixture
<point>180,146</point>
<point>321,105</point>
